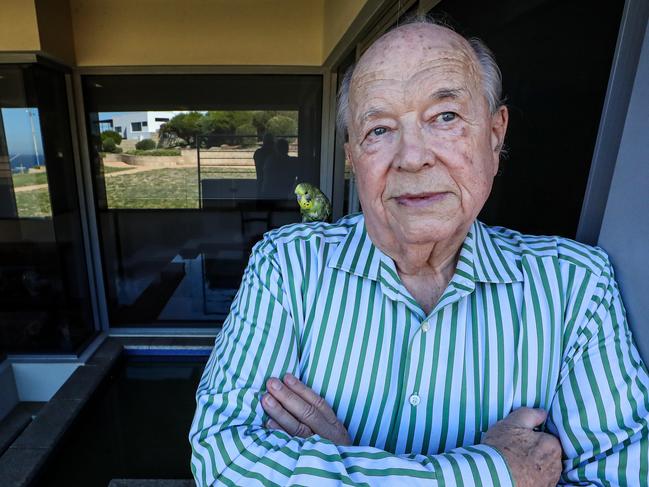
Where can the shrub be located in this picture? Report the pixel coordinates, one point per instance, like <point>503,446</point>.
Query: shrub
<point>111,134</point>
<point>108,145</point>
<point>145,144</point>
<point>247,129</point>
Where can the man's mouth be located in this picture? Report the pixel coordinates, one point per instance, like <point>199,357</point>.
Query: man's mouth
<point>420,199</point>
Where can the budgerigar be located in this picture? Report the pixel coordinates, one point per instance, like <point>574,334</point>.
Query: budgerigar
<point>314,205</point>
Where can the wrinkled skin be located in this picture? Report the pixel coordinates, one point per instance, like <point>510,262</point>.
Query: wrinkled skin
<point>533,457</point>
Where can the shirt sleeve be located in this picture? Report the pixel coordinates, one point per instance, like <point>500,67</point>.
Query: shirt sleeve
<point>600,409</point>
<point>231,447</point>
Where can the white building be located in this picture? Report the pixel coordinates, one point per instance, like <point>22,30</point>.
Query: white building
<point>137,125</point>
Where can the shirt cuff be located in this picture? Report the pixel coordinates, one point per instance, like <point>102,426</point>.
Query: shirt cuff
<point>474,465</point>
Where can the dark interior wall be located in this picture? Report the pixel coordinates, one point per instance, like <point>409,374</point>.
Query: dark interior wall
<point>555,57</point>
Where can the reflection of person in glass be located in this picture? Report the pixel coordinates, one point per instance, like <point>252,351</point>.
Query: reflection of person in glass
<point>280,173</point>
<point>267,148</point>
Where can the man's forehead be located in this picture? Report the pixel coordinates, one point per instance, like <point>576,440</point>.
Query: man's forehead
<point>416,50</point>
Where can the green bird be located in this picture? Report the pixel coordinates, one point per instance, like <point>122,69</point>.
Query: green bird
<point>314,205</point>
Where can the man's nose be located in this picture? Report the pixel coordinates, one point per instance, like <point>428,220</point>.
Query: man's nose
<point>413,152</point>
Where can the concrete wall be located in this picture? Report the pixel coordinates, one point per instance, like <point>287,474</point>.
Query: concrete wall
<point>338,16</point>
<point>175,32</point>
<point>55,29</point>
<point>18,26</point>
<point>9,395</point>
<point>625,227</point>
<point>197,32</point>
<point>40,381</point>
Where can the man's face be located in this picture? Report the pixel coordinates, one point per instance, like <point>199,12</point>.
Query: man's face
<point>422,142</point>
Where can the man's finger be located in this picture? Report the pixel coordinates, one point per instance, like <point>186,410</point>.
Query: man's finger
<point>283,418</point>
<point>272,424</point>
<point>311,397</point>
<point>303,411</point>
<point>527,417</point>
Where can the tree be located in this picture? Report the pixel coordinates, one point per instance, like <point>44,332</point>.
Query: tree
<point>185,126</point>
<point>247,129</point>
<point>281,125</point>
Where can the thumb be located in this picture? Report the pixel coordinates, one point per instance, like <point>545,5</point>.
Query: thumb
<point>527,417</point>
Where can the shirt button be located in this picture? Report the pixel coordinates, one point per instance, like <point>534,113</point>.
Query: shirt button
<point>425,326</point>
<point>414,400</point>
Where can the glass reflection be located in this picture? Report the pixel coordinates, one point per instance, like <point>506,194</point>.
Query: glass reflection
<point>44,304</point>
<point>26,161</point>
<point>182,199</point>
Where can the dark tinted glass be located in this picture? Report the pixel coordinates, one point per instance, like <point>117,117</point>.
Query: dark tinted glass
<point>189,172</point>
<point>134,426</point>
<point>555,58</point>
<point>44,305</point>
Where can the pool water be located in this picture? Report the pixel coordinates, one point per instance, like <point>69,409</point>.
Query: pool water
<point>134,426</point>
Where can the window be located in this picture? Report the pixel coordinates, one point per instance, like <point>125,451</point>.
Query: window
<point>161,119</point>
<point>177,229</point>
<point>136,126</point>
<point>44,295</point>
<point>118,129</point>
<point>556,60</point>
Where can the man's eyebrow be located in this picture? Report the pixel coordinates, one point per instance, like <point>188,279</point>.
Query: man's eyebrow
<point>441,94</point>
<point>444,93</point>
<point>370,112</point>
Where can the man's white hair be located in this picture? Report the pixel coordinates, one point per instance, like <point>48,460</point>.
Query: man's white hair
<point>490,74</point>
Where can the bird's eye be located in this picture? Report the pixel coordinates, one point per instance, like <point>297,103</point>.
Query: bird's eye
<point>447,117</point>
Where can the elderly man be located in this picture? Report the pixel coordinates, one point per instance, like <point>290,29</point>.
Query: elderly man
<point>412,344</point>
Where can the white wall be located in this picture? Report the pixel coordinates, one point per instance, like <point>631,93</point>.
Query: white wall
<point>40,381</point>
<point>625,228</point>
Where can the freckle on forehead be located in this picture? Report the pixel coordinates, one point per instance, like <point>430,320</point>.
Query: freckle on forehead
<point>405,52</point>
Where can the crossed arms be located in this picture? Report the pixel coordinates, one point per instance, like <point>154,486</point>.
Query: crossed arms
<point>604,437</point>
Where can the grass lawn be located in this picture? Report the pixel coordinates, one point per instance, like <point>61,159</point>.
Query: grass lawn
<point>109,169</point>
<point>166,187</point>
<point>157,188</point>
<point>32,178</point>
<point>34,203</point>
<point>29,178</point>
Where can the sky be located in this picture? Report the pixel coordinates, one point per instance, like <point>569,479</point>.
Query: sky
<point>18,131</point>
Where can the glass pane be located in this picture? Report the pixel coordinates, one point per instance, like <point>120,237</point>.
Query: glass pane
<point>27,162</point>
<point>44,305</point>
<point>182,200</point>
<point>344,180</point>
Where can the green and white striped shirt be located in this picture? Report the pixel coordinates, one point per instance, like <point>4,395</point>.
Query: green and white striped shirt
<point>525,321</point>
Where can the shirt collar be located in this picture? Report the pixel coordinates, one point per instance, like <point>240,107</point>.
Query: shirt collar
<point>481,259</point>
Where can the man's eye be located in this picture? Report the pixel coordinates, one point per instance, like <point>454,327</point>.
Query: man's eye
<point>447,117</point>
<point>378,131</point>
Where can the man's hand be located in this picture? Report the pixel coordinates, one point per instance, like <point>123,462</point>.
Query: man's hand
<point>533,457</point>
<point>296,409</point>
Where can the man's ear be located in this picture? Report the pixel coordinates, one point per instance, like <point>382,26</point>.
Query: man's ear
<point>499,121</point>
